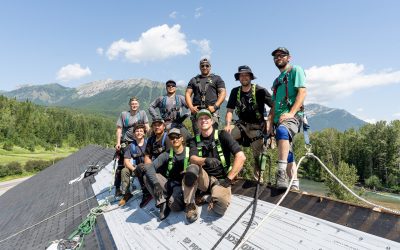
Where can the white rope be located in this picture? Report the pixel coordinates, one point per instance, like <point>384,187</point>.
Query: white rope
<point>77,179</point>
<point>348,189</point>
<point>270,212</point>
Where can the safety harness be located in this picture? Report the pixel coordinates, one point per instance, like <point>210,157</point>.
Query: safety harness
<point>126,126</point>
<point>164,111</point>
<point>203,91</point>
<point>200,145</point>
<point>161,148</point>
<point>171,160</point>
<point>253,101</point>
<point>284,81</point>
<point>134,151</point>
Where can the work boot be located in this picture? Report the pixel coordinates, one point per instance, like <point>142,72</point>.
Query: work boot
<point>146,198</point>
<point>118,192</point>
<point>281,179</point>
<point>164,210</point>
<point>125,199</point>
<point>191,212</point>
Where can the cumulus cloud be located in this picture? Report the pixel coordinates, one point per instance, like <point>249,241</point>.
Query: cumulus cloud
<point>198,12</point>
<point>156,44</point>
<point>173,14</point>
<point>325,83</point>
<point>100,51</point>
<point>72,72</point>
<point>204,47</point>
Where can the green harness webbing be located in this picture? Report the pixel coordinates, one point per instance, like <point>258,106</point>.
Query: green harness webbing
<point>253,101</point>
<point>171,160</point>
<point>219,150</point>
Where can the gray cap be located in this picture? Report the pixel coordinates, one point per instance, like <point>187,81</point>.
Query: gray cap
<point>174,131</point>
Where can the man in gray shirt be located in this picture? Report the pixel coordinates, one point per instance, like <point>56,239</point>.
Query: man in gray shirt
<point>171,109</point>
<point>125,135</point>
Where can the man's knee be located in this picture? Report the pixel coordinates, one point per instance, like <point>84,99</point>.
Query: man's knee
<point>282,133</point>
<point>191,175</point>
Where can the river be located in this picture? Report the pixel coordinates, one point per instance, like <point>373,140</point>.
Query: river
<point>389,200</point>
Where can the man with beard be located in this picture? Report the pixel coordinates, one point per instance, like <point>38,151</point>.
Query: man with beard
<point>171,109</point>
<point>287,114</point>
<point>248,101</point>
<point>164,175</point>
<point>208,92</point>
<point>125,135</point>
<point>211,171</point>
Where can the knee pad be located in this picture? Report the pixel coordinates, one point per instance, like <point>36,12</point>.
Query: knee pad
<point>290,157</point>
<point>191,175</point>
<point>282,133</point>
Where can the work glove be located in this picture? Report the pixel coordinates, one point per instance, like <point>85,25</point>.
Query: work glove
<point>212,162</point>
<point>158,190</point>
<point>225,182</point>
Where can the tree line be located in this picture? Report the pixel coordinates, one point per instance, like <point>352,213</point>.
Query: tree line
<point>28,125</point>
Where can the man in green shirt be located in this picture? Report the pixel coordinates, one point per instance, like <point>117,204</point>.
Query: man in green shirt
<point>286,114</point>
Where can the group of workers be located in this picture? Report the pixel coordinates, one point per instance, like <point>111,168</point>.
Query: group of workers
<point>181,171</point>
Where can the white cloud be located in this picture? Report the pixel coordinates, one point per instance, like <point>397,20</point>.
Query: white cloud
<point>198,12</point>
<point>181,83</point>
<point>360,110</point>
<point>100,51</point>
<point>370,120</point>
<point>72,72</point>
<point>155,44</point>
<point>204,47</point>
<point>396,115</point>
<point>173,14</point>
<point>339,80</point>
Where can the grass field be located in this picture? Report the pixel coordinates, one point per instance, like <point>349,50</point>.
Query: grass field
<point>23,155</point>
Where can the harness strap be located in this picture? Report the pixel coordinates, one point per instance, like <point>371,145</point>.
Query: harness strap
<point>171,160</point>
<point>253,100</point>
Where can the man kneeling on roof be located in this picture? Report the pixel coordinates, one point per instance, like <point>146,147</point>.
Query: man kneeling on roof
<point>164,175</point>
<point>210,170</point>
<point>133,157</point>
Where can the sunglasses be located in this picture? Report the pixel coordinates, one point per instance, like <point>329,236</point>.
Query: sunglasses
<point>174,137</point>
<point>205,66</point>
<point>280,56</point>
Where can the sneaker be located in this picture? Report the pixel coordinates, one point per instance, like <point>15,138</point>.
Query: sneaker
<point>295,186</point>
<point>191,212</point>
<point>281,179</point>
<point>118,192</point>
<point>164,210</point>
<point>146,198</point>
<point>125,199</point>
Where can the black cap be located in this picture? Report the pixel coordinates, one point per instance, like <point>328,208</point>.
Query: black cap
<point>244,69</point>
<point>281,49</point>
<point>157,119</point>
<point>170,82</point>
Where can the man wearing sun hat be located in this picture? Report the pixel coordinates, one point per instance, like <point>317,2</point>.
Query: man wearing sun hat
<point>248,101</point>
<point>211,170</point>
<point>208,91</point>
<point>286,115</point>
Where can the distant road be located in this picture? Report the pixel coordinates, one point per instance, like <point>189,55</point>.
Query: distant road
<point>6,185</point>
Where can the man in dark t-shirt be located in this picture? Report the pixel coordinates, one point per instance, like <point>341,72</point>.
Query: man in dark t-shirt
<point>164,175</point>
<point>211,168</point>
<point>248,101</point>
<point>208,91</point>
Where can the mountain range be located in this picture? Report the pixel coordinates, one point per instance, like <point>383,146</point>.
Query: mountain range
<point>110,97</point>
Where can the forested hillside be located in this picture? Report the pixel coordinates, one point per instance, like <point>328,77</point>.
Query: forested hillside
<point>28,125</point>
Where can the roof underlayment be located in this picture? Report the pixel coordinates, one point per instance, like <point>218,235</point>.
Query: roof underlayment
<point>302,222</point>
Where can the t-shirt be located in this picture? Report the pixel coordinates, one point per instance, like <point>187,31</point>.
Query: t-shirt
<point>246,109</point>
<point>154,148</point>
<point>171,110</point>
<point>160,164</point>
<point>209,149</point>
<point>126,121</point>
<point>213,82</point>
<point>296,79</point>
<point>137,155</point>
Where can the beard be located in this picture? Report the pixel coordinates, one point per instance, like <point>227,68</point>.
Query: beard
<point>281,65</point>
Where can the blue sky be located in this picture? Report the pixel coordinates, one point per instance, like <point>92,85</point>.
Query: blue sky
<point>349,49</point>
